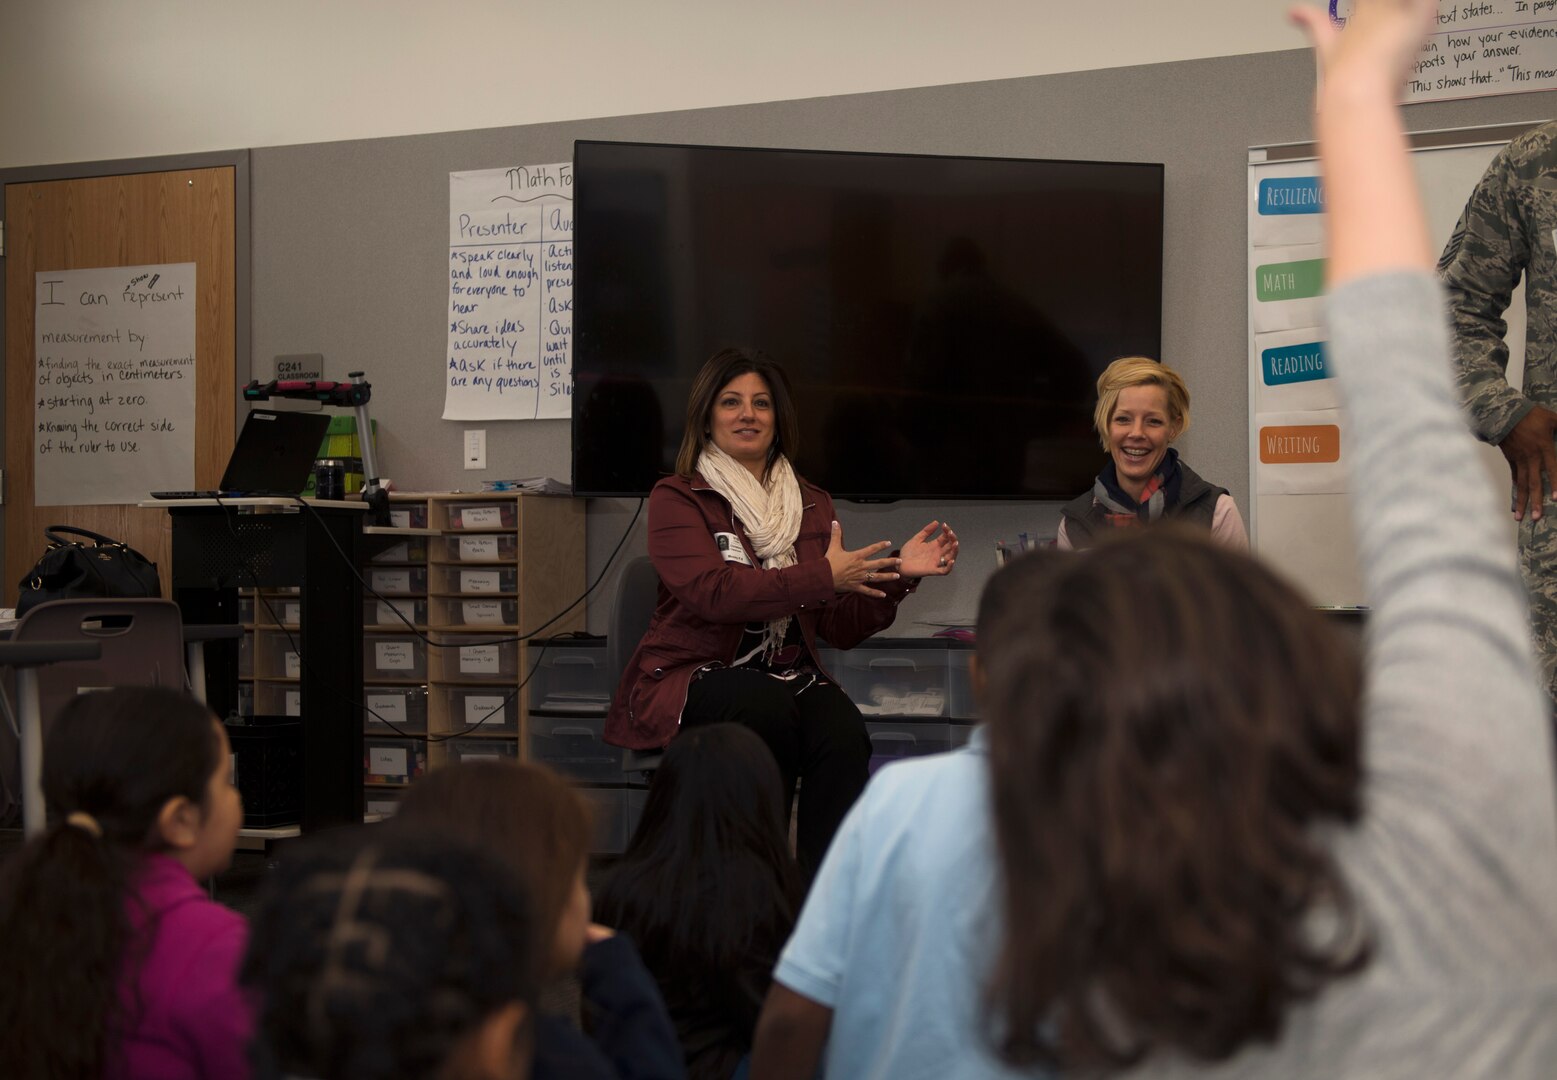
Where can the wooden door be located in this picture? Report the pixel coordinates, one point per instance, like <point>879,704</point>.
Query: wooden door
<point>130,220</point>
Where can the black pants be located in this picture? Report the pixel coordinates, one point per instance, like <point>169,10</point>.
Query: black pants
<point>815,733</point>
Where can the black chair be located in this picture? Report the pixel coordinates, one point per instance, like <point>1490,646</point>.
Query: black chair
<point>632,606</point>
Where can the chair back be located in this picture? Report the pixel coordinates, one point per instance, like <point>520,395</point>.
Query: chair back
<point>141,643</point>
<point>632,608</point>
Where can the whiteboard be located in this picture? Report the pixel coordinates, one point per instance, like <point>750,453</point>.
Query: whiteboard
<point>1300,513</point>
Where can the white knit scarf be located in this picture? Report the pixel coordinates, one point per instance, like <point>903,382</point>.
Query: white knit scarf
<point>770,513</point>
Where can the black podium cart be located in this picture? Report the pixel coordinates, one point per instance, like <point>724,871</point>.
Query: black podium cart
<point>222,545</point>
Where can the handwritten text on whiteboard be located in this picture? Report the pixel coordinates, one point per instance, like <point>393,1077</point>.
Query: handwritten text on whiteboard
<point>510,352</point>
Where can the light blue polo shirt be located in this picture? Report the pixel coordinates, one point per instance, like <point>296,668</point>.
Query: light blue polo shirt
<point>897,933</point>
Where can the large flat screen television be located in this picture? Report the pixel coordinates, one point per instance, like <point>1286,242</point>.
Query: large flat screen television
<point>943,320</point>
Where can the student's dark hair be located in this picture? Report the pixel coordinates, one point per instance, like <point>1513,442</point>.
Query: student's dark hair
<point>526,815</point>
<point>119,756</point>
<point>376,950</point>
<point>1171,728</point>
<point>718,371</point>
<point>707,886</point>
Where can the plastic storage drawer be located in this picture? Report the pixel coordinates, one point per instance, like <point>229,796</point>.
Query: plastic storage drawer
<point>479,660</point>
<point>382,804</point>
<point>891,740</point>
<point>571,678</point>
<point>575,746</point>
<point>275,658</point>
<point>393,761</point>
<point>382,612</point>
<point>278,699</point>
<point>483,582</point>
<point>894,682</point>
<point>481,548</point>
<point>959,681</point>
<point>614,821</point>
<point>408,517</point>
<point>403,706</point>
<point>404,581</point>
<point>488,515</point>
<point>394,656</point>
<point>413,549</point>
<point>488,711</point>
<point>495,611</point>
<point>468,750</point>
<point>270,610</point>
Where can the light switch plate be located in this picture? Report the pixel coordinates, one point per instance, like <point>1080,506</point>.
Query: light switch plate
<point>475,448</point>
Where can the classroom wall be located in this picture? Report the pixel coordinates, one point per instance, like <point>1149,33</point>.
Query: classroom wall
<point>94,80</point>
<point>350,249</point>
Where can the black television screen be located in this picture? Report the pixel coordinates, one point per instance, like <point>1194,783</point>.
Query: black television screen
<point>943,320</point>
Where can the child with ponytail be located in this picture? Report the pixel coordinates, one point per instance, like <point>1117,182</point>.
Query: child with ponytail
<point>115,961</point>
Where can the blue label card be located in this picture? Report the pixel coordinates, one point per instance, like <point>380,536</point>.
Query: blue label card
<point>1285,195</point>
<point>1294,363</point>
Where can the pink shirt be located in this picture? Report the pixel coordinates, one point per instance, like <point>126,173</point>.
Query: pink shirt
<point>1226,527</point>
<point>192,1020</point>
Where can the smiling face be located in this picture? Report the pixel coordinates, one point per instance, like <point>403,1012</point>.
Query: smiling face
<point>1139,432</point>
<point>741,421</point>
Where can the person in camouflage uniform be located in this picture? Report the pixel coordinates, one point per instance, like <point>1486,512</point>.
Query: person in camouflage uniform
<point>1509,227</point>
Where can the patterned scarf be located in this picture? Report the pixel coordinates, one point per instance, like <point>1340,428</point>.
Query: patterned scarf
<point>770,513</point>
<point>1160,495</point>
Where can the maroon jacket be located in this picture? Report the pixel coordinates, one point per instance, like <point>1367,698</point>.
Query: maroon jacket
<point>706,601</point>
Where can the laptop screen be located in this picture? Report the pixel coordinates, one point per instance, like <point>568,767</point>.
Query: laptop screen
<point>275,452</point>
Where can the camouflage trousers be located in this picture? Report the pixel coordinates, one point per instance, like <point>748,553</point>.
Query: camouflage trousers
<point>1538,567</point>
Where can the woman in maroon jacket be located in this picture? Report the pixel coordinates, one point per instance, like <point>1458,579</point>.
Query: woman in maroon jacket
<point>752,568</point>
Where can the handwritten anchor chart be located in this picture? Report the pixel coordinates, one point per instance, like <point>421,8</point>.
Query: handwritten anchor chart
<point>1483,47</point>
<point>114,390</point>
<point>510,347</point>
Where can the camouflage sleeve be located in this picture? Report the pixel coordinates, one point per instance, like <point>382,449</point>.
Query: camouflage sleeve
<point>1480,267</point>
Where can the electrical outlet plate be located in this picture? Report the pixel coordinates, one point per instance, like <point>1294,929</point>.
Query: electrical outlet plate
<point>475,448</point>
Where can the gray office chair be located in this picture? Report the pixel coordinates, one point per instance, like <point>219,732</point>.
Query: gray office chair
<point>632,606</point>
<point>140,643</point>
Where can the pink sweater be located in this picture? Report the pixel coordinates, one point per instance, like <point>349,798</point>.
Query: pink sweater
<point>192,1020</point>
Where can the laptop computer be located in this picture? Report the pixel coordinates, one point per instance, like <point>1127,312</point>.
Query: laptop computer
<point>274,455</point>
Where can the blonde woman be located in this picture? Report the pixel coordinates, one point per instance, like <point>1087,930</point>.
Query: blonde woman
<point>1142,406</point>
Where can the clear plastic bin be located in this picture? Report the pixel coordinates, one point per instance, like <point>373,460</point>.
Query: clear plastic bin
<point>393,761</point>
<point>571,678</point>
<point>246,610</point>
<point>483,582</point>
<point>246,656</point>
<point>612,825</point>
<point>403,706</point>
<point>413,516</point>
<point>481,548</point>
<point>275,658</point>
<point>245,699</point>
<point>892,740</point>
<point>575,746</point>
<point>383,804</point>
<point>275,610</point>
<point>496,611</point>
<point>382,612</point>
<point>413,549</point>
<point>278,699</point>
<point>479,660</point>
<point>404,580</point>
<point>485,515</point>
<point>894,682</point>
<point>394,656</point>
<point>458,751</point>
<point>488,711</point>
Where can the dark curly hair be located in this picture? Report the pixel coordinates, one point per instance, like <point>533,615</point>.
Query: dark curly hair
<point>1170,725</point>
<point>374,952</point>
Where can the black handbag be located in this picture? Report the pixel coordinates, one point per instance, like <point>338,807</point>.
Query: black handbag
<point>71,570</point>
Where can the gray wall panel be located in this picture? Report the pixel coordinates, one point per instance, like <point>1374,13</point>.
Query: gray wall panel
<point>350,246</point>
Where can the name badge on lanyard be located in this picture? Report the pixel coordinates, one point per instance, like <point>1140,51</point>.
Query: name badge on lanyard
<point>730,548</point>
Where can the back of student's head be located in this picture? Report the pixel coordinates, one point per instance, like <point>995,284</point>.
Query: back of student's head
<point>384,953</point>
<point>1170,727</point>
<point>525,815</point>
<point>112,761</point>
<point>707,876</point>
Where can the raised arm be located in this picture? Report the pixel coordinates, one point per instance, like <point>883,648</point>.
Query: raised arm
<point>1458,745</point>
